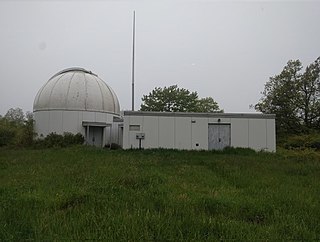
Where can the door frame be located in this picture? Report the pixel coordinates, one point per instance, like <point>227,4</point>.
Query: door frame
<point>102,125</point>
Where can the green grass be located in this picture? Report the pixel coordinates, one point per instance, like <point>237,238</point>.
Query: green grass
<point>83,193</point>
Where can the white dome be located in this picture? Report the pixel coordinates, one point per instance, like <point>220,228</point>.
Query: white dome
<point>76,89</point>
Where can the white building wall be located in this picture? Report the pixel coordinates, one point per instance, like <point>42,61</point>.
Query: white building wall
<point>182,128</point>
<point>150,127</point>
<point>60,121</point>
<point>132,142</point>
<point>240,132</point>
<point>199,133</point>
<point>71,122</point>
<point>271,136</point>
<point>166,132</point>
<point>191,132</point>
<point>257,134</point>
<point>215,120</point>
<point>126,133</point>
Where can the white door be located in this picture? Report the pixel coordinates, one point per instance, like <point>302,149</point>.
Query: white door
<point>219,136</point>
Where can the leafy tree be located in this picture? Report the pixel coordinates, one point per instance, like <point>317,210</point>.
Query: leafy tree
<point>207,105</point>
<point>294,98</point>
<point>309,98</point>
<point>174,99</point>
<point>15,115</point>
<point>16,128</point>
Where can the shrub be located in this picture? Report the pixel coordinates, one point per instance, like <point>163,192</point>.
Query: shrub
<point>113,146</point>
<point>238,151</point>
<point>301,142</point>
<point>7,135</point>
<point>25,135</point>
<point>54,140</point>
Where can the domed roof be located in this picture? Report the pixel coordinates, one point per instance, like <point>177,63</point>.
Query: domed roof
<point>76,89</point>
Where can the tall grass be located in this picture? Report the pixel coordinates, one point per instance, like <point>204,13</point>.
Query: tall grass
<point>164,195</point>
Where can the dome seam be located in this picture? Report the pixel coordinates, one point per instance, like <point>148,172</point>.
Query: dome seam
<point>86,90</point>
<point>102,97</point>
<point>54,85</point>
<point>66,102</point>
<point>114,105</point>
<point>57,94</point>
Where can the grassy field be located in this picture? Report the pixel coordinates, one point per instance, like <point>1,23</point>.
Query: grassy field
<point>83,193</point>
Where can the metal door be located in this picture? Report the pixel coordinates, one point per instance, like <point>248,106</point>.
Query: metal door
<point>95,136</point>
<point>219,136</point>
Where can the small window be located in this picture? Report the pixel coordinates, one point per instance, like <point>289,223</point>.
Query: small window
<point>134,127</point>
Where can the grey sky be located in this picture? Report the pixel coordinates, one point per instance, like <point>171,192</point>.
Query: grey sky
<point>226,50</point>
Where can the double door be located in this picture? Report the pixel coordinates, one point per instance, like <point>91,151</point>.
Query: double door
<point>219,136</point>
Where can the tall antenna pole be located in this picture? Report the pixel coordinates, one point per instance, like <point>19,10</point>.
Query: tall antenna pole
<point>133,45</point>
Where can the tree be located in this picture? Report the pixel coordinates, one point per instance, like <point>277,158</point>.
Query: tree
<point>309,98</point>
<point>16,128</point>
<point>294,98</point>
<point>207,105</point>
<point>15,115</point>
<point>174,99</point>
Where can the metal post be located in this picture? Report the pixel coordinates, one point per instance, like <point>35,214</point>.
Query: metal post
<point>133,45</point>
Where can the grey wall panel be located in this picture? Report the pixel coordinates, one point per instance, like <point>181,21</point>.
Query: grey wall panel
<point>55,124</point>
<point>271,135</point>
<point>71,122</point>
<point>88,116</point>
<point>199,133</point>
<point>150,127</point>
<point>183,133</point>
<point>166,132</point>
<point>240,133</point>
<point>133,142</point>
<point>257,134</point>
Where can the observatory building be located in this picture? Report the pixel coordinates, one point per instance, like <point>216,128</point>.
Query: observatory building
<point>199,131</point>
<point>78,101</point>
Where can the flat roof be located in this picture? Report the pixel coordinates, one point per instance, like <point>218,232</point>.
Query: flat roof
<point>201,115</point>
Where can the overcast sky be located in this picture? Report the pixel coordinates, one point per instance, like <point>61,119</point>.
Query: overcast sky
<point>226,50</point>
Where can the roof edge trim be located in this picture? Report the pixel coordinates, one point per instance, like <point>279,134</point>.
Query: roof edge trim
<point>200,115</point>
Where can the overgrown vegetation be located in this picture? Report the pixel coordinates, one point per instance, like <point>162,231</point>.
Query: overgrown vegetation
<point>82,193</point>
<point>17,130</point>
<point>54,140</point>
<point>294,96</point>
<point>302,142</point>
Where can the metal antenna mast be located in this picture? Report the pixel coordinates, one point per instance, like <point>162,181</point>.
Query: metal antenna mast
<point>133,45</point>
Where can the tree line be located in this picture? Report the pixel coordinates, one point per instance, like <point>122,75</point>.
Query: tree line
<point>294,96</point>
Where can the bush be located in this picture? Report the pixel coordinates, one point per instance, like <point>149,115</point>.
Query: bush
<point>54,140</point>
<point>113,146</point>
<point>25,135</point>
<point>301,142</point>
<point>7,135</point>
<point>238,151</point>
